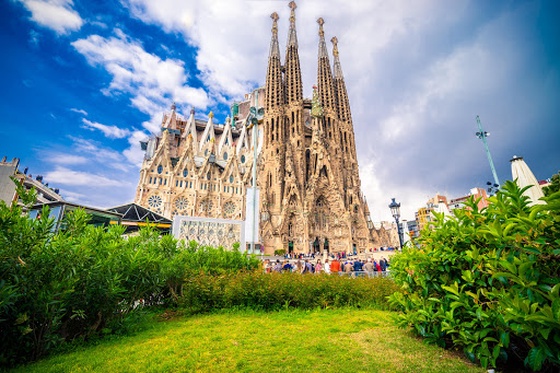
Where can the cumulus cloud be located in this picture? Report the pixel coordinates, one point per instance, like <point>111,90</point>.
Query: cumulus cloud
<point>101,155</point>
<point>151,82</point>
<point>112,132</point>
<point>133,153</point>
<point>65,176</point>
<point>229,47</point>
<point>58,15</point>
<point>67,159</point>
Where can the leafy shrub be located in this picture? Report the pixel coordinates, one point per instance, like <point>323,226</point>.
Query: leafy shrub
<point>60,286</point>
<point>85,280</point>
<point>275,291</point>
<point>194,259</point>
<point>487,281</point>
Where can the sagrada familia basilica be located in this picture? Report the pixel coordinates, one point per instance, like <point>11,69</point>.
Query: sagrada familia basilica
<point>307,175</point>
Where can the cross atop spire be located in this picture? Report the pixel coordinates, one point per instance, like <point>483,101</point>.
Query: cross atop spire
<point>275,18</point>
<point>334,40</point>
<point>321,22</point>
<point>292,5</point>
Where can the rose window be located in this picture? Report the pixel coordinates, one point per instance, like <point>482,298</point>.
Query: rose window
<point>229,208</point>
<point>206,206</point>
<point>155,201</point>
<point>181,203</point>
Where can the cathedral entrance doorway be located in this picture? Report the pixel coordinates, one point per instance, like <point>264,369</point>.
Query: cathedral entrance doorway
<point>290,247</point>
<point>316,245</point>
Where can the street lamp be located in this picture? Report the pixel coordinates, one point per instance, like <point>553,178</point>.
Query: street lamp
<point>482,135</point>
<point>252,121</point>
<point>396,212</point>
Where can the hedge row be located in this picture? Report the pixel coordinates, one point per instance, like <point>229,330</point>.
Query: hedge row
<point>275,291</point>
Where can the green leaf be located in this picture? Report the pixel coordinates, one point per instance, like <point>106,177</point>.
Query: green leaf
<point>504,338</point>
<point>545,332</point>
<point>496,352</point>
<point>535,358</point>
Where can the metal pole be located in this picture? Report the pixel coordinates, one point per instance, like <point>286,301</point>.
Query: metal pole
<point>483,135</point>
<point>255,209</point>
<point>399,233</point>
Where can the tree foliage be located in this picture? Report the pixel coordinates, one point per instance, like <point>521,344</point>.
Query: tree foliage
<point>554,185</point>
<point>487,281</point>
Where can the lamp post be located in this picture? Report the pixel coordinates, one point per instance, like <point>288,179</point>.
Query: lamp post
<point>482,135</point>
<point>255,114</point>
<point>396,212</point>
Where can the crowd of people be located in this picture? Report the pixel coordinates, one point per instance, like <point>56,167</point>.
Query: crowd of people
<point>334,265</point>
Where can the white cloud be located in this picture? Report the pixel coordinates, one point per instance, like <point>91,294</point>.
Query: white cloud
<point>72,196</point>
<point>226,34</point>
<point>112,132</point>
<point>134,154</point>
<point>103,156</point>
<point>153,83</point>
<point>67,159</point>
<point>57,15</point>
<point>79,111</point>
<point>65,176</point>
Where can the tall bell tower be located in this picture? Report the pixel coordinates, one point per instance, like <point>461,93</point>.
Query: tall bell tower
<point>308,171</point>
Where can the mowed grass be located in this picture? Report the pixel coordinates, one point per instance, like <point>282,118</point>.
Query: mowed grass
<point>337,340</point>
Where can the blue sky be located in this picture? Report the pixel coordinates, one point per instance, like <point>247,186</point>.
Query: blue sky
<point>85,81</point>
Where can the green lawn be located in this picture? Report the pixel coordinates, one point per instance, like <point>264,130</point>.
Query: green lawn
<point>341,340</point>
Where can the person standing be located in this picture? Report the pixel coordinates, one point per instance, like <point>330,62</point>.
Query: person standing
<point>318,266</point>
<point>348,267</point>
<point>377,267</point>
<point>368,268</point>
<point>327,267</point>
<point>335,266</point>
<point>358,266</point>
<point>383,265</point>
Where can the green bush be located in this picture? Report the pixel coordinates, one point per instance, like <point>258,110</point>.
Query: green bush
<point>193,259</point>
<point>487,281</point>
<point>275,291</point>
<point>279,252</point>
<point>65,285</point>
<point>85,280</point>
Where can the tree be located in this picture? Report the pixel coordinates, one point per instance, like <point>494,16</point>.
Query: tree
<point>554,185</point>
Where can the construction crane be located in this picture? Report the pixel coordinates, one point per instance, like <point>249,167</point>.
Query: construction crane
<point>481,134</point>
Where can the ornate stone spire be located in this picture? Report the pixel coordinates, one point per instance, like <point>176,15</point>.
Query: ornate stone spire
<point>274,87</point>
<point>294,87</point>
<point>322,44</point>
<point>343,104</point>
<point>292,36</point>
<point>325,88</point>
<point>274,48</point>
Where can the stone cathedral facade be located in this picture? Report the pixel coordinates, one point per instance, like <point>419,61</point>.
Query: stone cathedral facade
<point>307,167</point>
